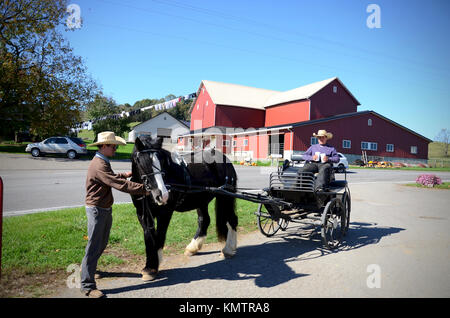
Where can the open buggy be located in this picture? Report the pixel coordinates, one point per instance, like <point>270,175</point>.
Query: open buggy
<point>291,197</point>
<point>294,199</point>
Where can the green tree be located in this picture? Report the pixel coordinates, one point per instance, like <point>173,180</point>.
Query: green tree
<point>101,106</point>
<point>181,111</point>
<point>118,125</point>
<point>43,85</point>
<point>444,138</point>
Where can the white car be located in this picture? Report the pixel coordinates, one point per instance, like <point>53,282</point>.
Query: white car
<point>69,146</point>
<point>340,166</point>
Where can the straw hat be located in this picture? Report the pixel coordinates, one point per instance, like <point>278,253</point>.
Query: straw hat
<point>323,132</point>
<point>108,138</point>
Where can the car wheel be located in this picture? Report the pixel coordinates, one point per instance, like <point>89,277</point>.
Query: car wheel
<point>341,168</point>
<point>35,152</point>
<point>71,154</point>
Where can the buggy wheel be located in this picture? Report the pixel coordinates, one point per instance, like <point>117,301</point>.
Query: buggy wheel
<point>266,222</point>
<point>347,208</point>
<point>333,224</point>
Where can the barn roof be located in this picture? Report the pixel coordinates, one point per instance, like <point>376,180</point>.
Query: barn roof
<point>303,92</point>
<point>182,122</point>
<point>259,98</point>
<point>237,95</point>
<point>341,116</point>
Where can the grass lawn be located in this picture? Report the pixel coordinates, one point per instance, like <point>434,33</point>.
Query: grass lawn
<point>13,148</point>
<point>49,242</point>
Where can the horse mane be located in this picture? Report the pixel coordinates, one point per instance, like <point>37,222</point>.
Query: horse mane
<point>147,142</point>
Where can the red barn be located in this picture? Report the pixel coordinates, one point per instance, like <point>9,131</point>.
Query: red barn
<point>247,122</point>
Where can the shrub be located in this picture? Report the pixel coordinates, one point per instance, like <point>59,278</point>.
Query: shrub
<point>428,180</point>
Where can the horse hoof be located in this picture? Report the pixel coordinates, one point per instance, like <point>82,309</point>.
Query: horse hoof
<point>226,254</point>
<point>149,275</point>
<point>188,253</point>
<point>194,246</point>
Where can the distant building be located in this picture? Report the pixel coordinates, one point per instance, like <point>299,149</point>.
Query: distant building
<point>247,122</point>
<point>163,125</point>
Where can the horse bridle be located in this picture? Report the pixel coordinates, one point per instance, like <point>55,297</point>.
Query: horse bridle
<point>145,177</point>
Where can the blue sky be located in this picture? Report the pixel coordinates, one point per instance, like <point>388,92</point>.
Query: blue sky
<point>149,49</point>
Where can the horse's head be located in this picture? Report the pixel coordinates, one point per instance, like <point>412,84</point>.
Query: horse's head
<point>146,158</point>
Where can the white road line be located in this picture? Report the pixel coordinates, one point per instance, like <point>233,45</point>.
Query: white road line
<point>23,212</point>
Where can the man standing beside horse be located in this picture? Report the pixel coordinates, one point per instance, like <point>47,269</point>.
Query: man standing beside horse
<point>99,200</point>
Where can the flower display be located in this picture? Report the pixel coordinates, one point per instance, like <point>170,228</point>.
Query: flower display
<point>428,180</point>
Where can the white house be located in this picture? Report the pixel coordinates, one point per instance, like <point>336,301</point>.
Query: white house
<point>163,125</point>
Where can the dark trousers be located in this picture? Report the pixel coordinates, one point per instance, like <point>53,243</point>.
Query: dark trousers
<point>99,226</point>
<point>323,170</point>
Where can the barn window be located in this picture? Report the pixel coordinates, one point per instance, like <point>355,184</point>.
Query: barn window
<point>390,148</point>
<point>226,143</point>
<point>234,143</point>
<point>369,122</point>
<point>206,103</point>
<point>346,144</point>
<point>364,145</point>
<point>414,149</point>
<point>369,146</point>
<point>314,140</point>
<point>373,146</point>
<point>245,142</point>
<point>335,89</point>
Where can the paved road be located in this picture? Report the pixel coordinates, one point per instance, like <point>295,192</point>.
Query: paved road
<point>46,183</point>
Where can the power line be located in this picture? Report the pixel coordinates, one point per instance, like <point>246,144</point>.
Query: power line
<point>264,36</point>
<point>273,27</point>
<point>258,53</point>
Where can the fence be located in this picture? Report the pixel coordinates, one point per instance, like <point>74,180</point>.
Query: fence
<point>439,163</point>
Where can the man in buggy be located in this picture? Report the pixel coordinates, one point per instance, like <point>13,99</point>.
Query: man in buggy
<point>320,158</point>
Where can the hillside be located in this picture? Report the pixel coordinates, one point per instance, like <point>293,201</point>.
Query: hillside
<point>436,151</point>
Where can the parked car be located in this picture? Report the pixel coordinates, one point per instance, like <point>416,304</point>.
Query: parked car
<point>340,166</point>
<point>69,146</point>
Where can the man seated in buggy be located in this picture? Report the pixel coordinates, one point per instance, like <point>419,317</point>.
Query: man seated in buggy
<point>319,159</point>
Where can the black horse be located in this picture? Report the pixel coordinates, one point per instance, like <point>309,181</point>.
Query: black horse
<point>178,183</point>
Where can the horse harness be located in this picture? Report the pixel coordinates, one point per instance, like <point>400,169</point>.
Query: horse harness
<point>180,188</point>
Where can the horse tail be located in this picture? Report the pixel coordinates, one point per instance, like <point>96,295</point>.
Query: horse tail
<point>226,205</point>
